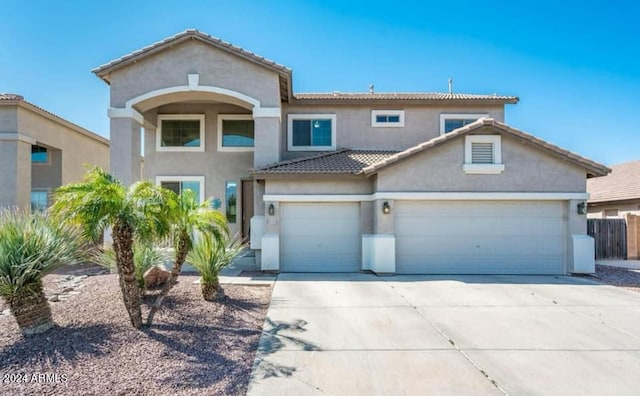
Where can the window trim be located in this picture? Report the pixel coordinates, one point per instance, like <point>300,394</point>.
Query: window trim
<point>221,118</point>
<point>199,179</point>
<point>376,124</point>
<point>292,117</point>
<point>456,116</point>
<point>185,117</point>
<point>487,169</point>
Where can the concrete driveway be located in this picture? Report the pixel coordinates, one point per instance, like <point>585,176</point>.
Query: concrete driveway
<point>359,334</point>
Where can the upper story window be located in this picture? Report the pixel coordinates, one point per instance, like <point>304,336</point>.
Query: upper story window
<point>178,184</point>
<point>180,132</point>
<point>311,132</point>
<point>39,155</point>
<point>235,132</point>
<point>387,118</point>
<point>450,122</point>
<point>483,154</point>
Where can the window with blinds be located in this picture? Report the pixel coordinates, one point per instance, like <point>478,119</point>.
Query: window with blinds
<point>482,153</point>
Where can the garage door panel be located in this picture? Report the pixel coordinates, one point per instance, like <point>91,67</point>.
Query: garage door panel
<point>485,237</point>
<point>320,237</point>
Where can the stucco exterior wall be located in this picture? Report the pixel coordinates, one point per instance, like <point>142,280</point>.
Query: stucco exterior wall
<point>527,169</point>
<point>77,149</point>
<point>48,176</point>
<point>218,167</point>
<point>597,211</point>
<point>8,119</point>
<point>217,68</point>
<point>301,184</point>
<point>354,130</point>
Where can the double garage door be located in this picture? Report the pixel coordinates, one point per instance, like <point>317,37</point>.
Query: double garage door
<point>432,237</point>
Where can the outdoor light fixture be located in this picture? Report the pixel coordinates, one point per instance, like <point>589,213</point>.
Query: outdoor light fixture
<point>582,208</point>
<point>272,210</point>
<point>386,209</point>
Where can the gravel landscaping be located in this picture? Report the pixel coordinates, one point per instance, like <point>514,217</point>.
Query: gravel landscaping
<point>194,346</point>
<point>616,276</point>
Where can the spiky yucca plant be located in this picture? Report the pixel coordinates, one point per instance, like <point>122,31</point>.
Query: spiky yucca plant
<point>210,256</point>
<point>145,256</point>
<point>32,245</point>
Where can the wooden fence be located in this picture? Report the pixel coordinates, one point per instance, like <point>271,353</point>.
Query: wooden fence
<point>610,237</point>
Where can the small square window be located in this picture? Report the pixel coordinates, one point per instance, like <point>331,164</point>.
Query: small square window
<point>235,132</point>
<point>180,132</point>
<point>311,132</point>
<point>387,118</point>
<point>231,200</point>
<point>451,122</point>
<point>178,184</point>
<point>39,154</point>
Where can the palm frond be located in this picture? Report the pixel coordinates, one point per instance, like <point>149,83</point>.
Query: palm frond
<point>32,245</point>
<point>209,255</point>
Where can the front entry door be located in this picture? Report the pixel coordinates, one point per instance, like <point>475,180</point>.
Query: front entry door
<point>247,207</point>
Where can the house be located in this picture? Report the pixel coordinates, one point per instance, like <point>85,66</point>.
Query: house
<point>340,182</point>
<point>40,151</point>
<point>616,194</point>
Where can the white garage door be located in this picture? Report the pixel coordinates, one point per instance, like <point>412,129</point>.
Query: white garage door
<point>320,237</point>
<point>492,237</point>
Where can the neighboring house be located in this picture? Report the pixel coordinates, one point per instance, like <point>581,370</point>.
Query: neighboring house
<point>616,194</point>
<point>326,182</point>
<point>40,151</point>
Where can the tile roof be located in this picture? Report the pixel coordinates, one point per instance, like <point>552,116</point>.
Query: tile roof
<point>369,162</point>
<point>408,96</point>
<point>343,161</point>
<point>9,99</point>
<point>622,183</point>
<point>103,71</point>
<point>10,96</point>
<point>593,168</point>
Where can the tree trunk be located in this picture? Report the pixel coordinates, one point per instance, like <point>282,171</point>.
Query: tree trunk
<point>31,310</point>
<point>211,290</point>
<point>180,257</point>
<point>123,246</point>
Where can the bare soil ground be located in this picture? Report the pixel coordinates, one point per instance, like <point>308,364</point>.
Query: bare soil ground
<point>194,346</point>
<point>621,277</point>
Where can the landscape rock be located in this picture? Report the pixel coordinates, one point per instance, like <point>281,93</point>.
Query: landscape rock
<point>67,289</point>
<point>156,276</point>
<point>54,298</point>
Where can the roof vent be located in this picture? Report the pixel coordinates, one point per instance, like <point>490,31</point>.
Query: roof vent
<point>371,88</point>
<point>335,93</point>
<point>10,96</point>
<point>451,85</point>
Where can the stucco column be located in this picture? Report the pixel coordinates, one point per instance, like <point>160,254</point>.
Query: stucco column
<point>15,161</point>
<point>379,248</point>
<point>579,245</point>
<point>125,150</point>
<point>267,142</point>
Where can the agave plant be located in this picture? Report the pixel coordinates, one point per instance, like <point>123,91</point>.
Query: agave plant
<point>31,246</point>
<point>211,255</point>
<point>145,256</point>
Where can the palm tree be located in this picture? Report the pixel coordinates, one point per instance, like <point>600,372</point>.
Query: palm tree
<point>209,256</point>
<point>139,212</point>
<point>32,245</point>
<point>145,256</point>
<point>189,219</point>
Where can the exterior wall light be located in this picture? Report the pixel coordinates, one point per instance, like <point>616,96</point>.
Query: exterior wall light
<point>582,208</point>
<point>272,210</point>
<point>386,209</point>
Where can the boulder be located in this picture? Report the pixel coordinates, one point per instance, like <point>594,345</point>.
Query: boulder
<point>156,276</point>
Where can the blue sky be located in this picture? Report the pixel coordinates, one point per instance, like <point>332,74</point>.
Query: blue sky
<point>574,64</point>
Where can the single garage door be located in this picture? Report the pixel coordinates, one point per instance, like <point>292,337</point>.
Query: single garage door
<point>480,237</point>
<point>320,237</point>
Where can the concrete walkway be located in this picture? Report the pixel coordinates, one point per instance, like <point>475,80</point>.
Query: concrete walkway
<point>631,264</point>
<point>358,334</point>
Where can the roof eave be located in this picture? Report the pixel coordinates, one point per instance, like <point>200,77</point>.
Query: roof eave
<point>351,101</point>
